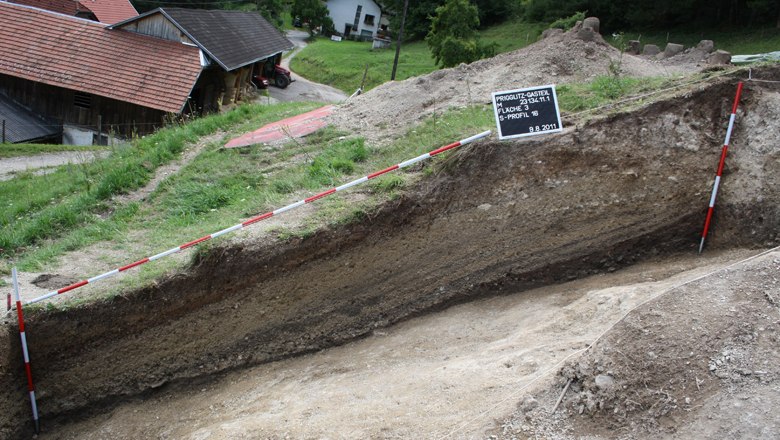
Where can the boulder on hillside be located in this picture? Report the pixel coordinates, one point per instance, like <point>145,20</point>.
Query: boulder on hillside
<point>587,30</point>
<point>719,57</point>
<point>706,46</point>
<point>592,23</point>
<point>634,47</point>
<point>672,49</point>
<point>550,32</point>
<point>651,50</point>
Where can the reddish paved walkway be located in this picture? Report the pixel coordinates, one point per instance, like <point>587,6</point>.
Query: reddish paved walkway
<point>297,126</point>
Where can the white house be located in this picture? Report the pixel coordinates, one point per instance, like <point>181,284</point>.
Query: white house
<point>355,18</point>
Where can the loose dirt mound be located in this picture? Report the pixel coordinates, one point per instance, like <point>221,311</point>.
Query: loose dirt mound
<point>700,362</point>
<point>503,217</point>
<point>390,109</point>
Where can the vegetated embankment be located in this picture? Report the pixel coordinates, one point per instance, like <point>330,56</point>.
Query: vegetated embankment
<point>498,216</point>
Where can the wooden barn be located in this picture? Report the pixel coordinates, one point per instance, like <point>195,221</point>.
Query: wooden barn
<point>237,45</point>
<point>132,77</point>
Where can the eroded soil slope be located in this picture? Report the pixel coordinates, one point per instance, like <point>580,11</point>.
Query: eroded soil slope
<point>702,361</point>
<point>498,218</point>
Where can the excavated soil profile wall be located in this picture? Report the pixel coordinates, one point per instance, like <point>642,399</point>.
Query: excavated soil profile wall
<point>498,216</point>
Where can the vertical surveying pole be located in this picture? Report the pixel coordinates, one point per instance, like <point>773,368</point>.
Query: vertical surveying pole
<point>719,174</point>
<point>25,352</point>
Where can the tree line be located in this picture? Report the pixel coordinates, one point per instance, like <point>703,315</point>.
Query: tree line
<point>614,16</point>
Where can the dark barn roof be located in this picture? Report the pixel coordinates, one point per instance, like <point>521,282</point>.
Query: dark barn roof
<point>22,125</point>
<point>231,38</point>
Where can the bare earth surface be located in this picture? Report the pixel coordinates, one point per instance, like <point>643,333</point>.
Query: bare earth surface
<point>465,308</point>
<point>441,376</point>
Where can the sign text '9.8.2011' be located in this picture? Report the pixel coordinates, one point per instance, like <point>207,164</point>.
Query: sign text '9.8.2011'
<point>526,112</point>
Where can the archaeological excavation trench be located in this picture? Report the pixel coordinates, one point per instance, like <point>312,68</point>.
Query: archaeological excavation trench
<point>495,217</point>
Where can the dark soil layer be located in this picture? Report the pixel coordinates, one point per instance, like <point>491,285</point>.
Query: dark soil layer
<point>499,216</point>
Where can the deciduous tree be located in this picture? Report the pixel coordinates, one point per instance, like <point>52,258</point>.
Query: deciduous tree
<point>453,35</point>
<point>315,14</point>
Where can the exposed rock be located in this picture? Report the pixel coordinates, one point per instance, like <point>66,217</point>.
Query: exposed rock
<point>586,34</point>
<point>634,47</point>
<point>592,23</point>
<point>604,382</point>
<point>528,404</point>
<point>53,281</point>
<point>651,49</point>
<point>672,49</point>
<point>719,57</point>
<point>706,45</point>
<point>550,32</point>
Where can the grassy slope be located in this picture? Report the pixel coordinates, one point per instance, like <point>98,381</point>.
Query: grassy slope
<point>49,207</point>
<point>46,216</point>
<point>62,212</point>
<point>341,64</point>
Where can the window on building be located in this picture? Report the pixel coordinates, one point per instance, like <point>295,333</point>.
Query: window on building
<point>82,100</point>
<point>357,16</point>
<point>369,20</point>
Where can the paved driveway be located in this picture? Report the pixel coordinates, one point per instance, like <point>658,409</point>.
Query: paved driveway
<point>302,89</point>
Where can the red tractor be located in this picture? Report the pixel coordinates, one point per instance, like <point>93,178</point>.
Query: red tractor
<point>272,73</point>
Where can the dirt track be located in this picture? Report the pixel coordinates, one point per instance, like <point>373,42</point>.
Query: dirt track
<point>499,219</point>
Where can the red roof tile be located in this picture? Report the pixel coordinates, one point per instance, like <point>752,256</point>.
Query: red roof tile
<point>67,7</point>
<point>111,11</point>
<point>106,11</point>
<point>86,56</point>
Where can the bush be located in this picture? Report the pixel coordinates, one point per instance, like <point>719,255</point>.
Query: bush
<point>568,22</point>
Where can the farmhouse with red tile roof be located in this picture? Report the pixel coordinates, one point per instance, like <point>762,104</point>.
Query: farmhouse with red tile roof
<point>78,70</point>
<point>94,77</point>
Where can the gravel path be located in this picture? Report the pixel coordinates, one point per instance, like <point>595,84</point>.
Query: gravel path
<point>42,162</point>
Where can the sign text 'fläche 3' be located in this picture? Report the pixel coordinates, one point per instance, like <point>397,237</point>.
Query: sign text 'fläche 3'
<point>526,112</point>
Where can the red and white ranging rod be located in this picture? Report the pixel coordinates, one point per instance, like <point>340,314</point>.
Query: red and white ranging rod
<point>25,352</point>
<point>260,217</point>
<point>719,174</point>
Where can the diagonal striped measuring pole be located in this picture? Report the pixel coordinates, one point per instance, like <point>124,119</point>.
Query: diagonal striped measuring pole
<point>25,352</point>
<point>719,174</point>
<point>265,216</point>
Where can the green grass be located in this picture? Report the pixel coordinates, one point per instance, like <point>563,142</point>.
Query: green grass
<point>220,188</point>
<point>738,42</point>
<point>603,90</point>
<point>512,34</point>
<point>48,207</point>
<point>16,150</point>
<point>342,64</point>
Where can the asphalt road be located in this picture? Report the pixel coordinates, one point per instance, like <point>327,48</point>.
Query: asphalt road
<point>302,89</point>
